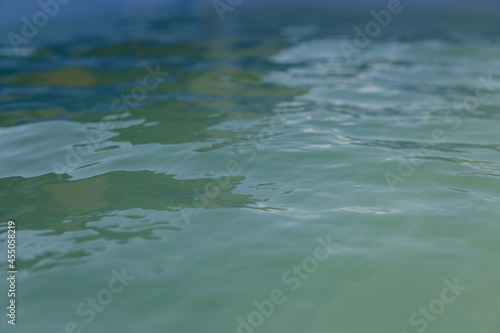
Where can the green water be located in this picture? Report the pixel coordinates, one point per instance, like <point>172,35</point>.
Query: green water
<point>208,192</point>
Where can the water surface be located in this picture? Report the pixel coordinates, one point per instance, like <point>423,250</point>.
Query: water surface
<point>209,188</point>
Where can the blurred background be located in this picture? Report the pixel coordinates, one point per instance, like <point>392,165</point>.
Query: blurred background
<point>12,11</point>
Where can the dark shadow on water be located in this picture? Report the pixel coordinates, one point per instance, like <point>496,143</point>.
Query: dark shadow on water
<point>114,207</point>
<point>44,203</point>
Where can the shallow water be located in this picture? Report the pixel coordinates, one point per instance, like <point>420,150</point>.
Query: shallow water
<point>217,179</point>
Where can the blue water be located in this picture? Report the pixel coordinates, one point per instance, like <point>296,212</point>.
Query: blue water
<point>192,175</point>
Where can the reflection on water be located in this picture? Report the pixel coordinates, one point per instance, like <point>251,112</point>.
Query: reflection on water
<point>122,196</point>
<point>45,203</point>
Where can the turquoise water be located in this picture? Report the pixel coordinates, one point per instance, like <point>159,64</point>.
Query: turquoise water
<point>260,182</point>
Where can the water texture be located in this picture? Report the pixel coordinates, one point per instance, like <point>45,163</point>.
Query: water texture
<point>192,175</point>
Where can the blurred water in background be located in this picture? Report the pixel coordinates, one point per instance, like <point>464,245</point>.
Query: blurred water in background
<point>206,158</point>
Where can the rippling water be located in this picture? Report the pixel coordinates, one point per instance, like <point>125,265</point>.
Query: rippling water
<point>188,175</point>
